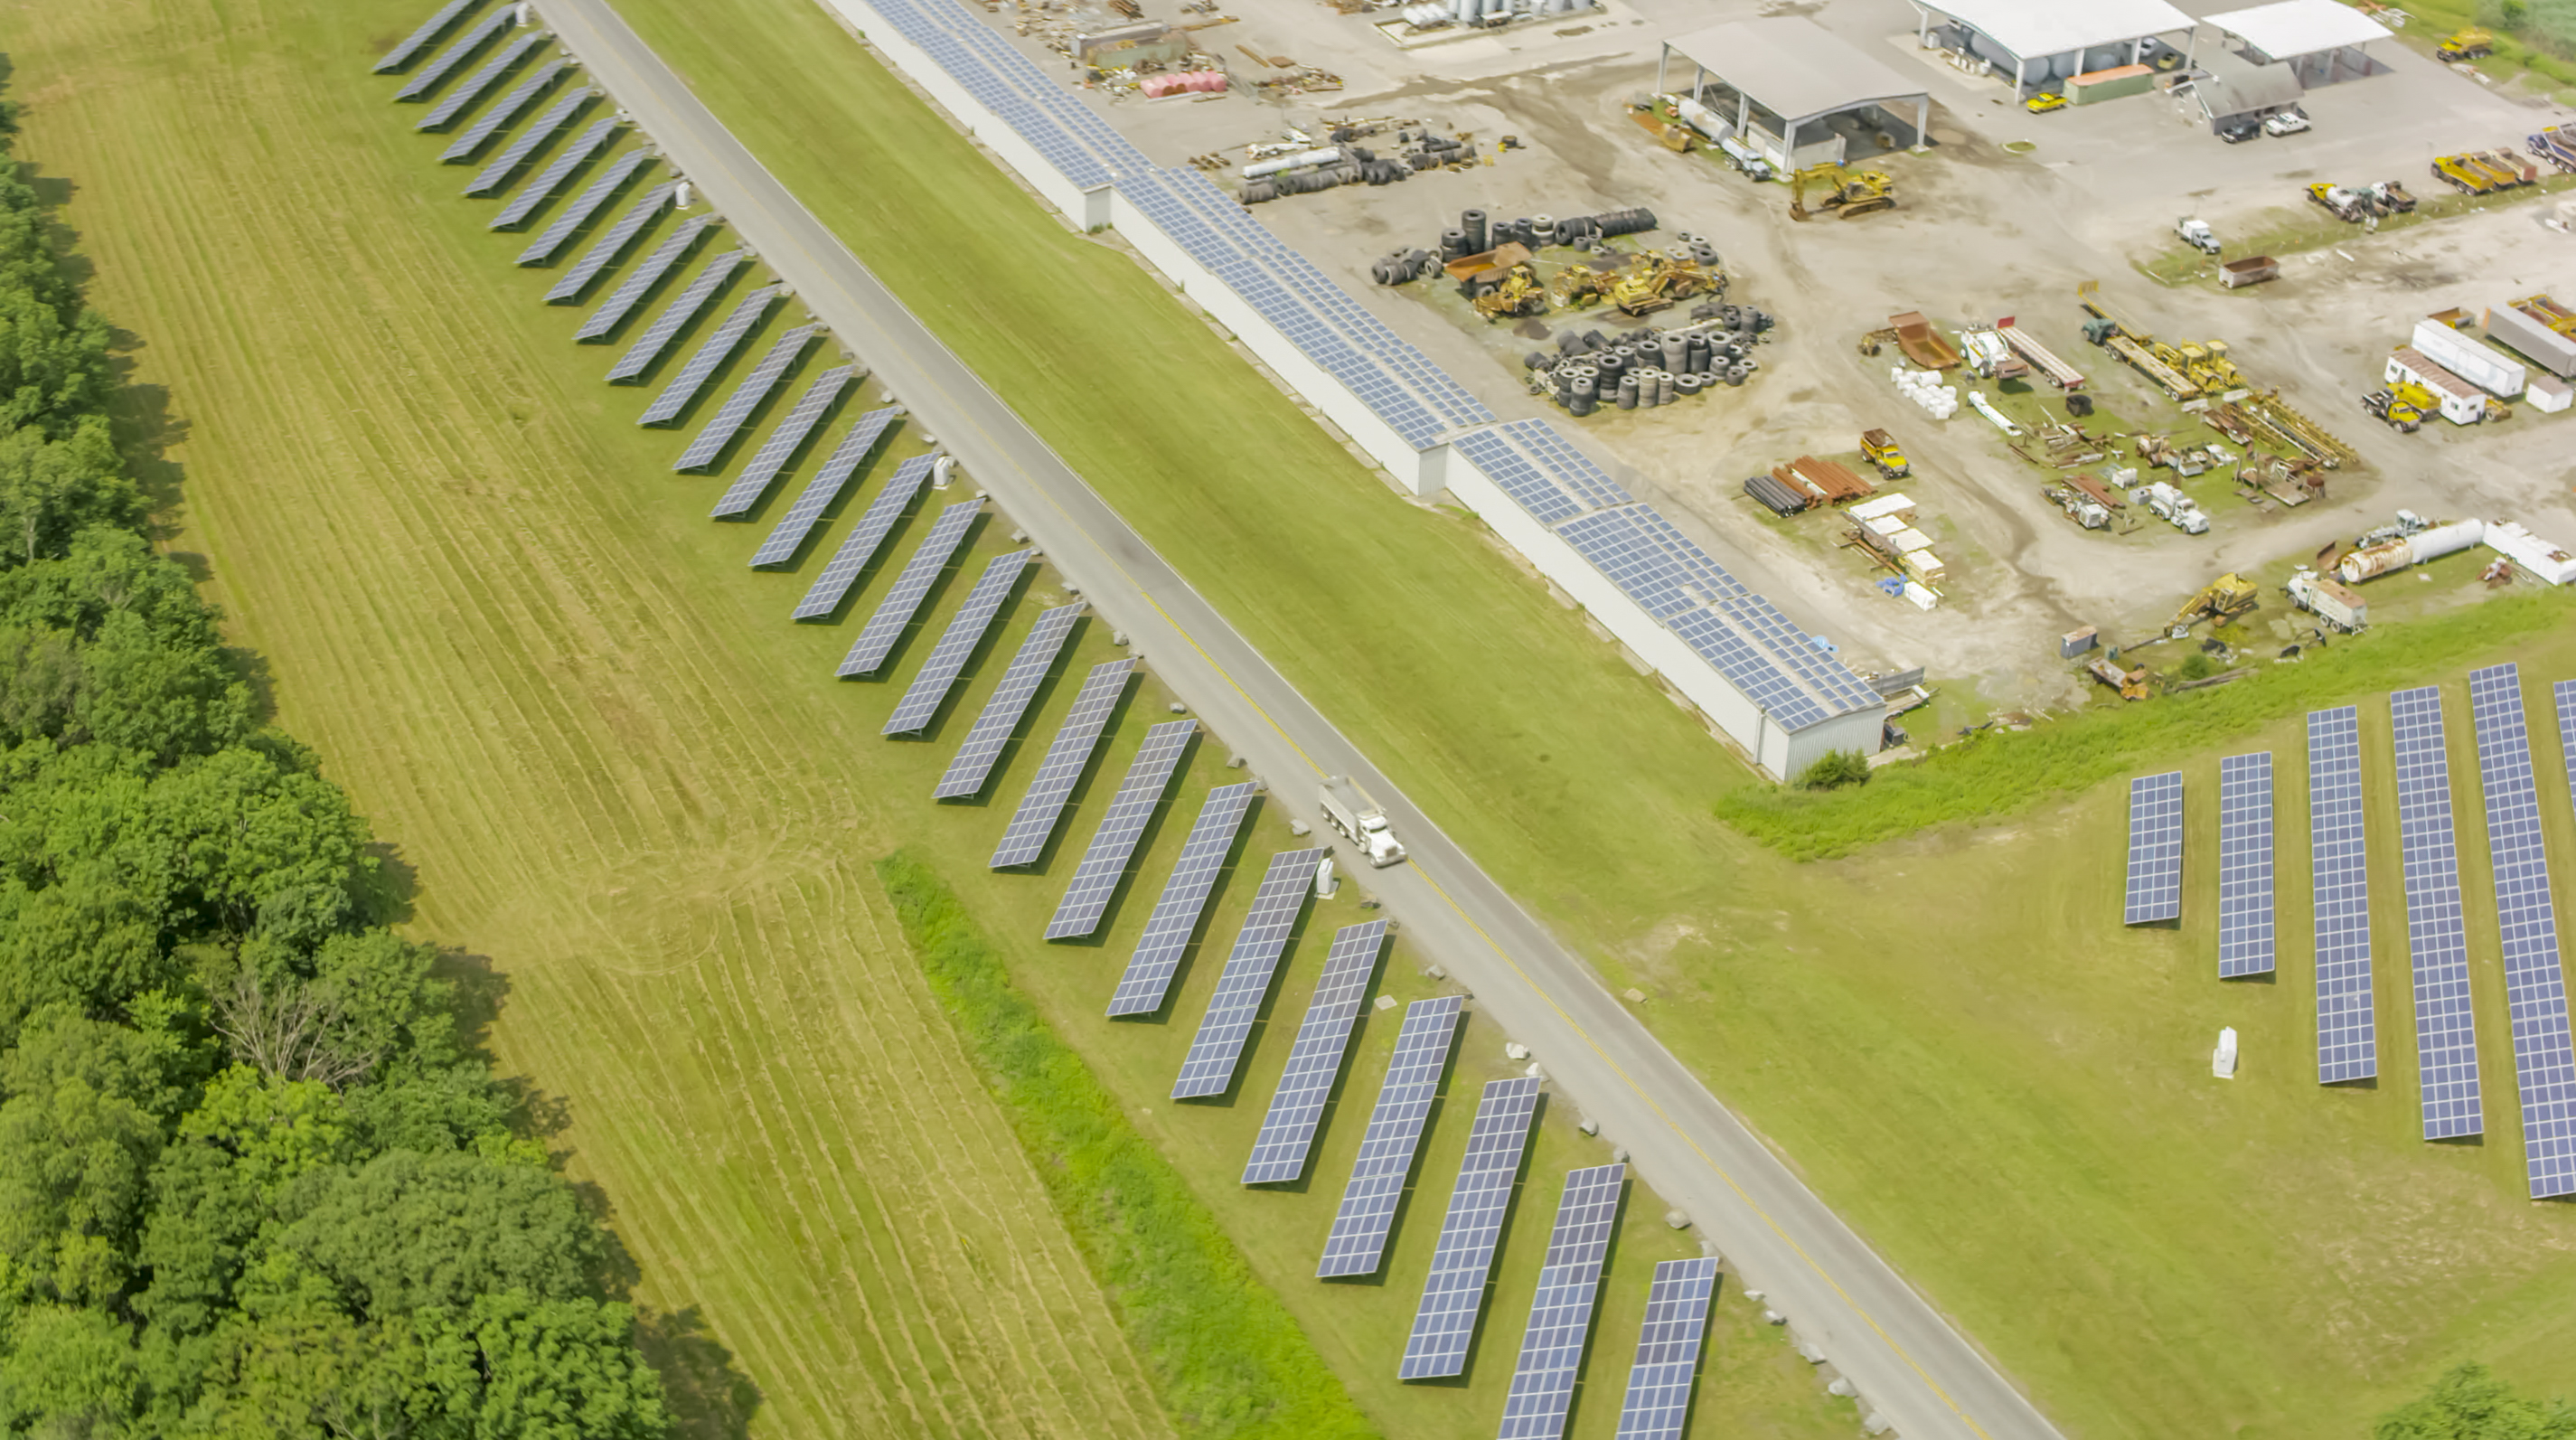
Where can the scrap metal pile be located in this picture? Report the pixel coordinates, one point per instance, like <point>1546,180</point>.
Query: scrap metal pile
<point>1476,236</point>
<point>1298,166</point>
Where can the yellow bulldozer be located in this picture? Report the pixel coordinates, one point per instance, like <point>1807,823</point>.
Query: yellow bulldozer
<point>2218,602</point>
<point>1518,294</point>
<point>1851,193</point>
<point>1656,280</point>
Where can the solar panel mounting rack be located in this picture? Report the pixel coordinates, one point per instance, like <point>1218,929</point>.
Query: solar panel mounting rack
<point>1357,1244</point>
<point>894,614</point>
<point>426,36</point>
<point>772,456</point>
<point>966,774</point>
<point>1176,914</point>
<point>860,546</point>
<point>427,77</point>
<point>712,352</point>
<point>2347,1027</point>
<point>446,111</point>
<point>577,214</point>
<point>611,244</point>
<point>1661,1378</point>
<point>1445,1325</point>
<point>2245,865</point>
<point>1569,1284</point>
<point>547,181</point>
<point>503,111</point>
<point>2446,1037</point>
<point>735,412</point>
<point>2155,849</point>
<point>1217,1048</point>
<point>1034,822</point>
<point>506,164</point>
<point>1104,860</point>
<point>2535,983</point>
<point>647,273</point>
<point>1297,1107</point>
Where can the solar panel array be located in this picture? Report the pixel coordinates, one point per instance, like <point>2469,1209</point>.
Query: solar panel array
<point>756,387</point>
<point>1033,823</point>
<point>1460,1263</point>
<point>966,630</point>
<point>547,181</point>
<point>2155,849</point>
<point>1297,1106</point>
<point>1079,144</point>
<point>1104,860</point>
<point>503,111</point>
<point>428,76</point>
<point>1000,717</point>
<point>631,291</point>
<point>895,612</point>
<point>427,35</point>
<point>1357,1244</point>
<point>584,205</point>
<point>683,308</point>
<point>506,164</point>
<point>1668,1350</point>
<point>2347,1032</point>
<point>1218,1046</point>
<point>2535,986</point>
<point>860,546</point>
<point>1569,1281</point>
<point>712,352</point>
<point>2245,865</point>
<point>774,452</point>
<point>611,243</point>
<point>2446,1029</point>
<point>446,111</point>
<point>1176,913</point>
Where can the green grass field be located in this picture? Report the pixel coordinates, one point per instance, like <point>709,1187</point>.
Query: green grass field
<point>630,793</point>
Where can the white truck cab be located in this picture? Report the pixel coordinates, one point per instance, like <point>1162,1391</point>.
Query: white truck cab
<point>1360,821</point>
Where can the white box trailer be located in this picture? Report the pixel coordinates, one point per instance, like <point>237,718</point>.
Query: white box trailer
<point>2489,370</point>
<point>2544,560</point>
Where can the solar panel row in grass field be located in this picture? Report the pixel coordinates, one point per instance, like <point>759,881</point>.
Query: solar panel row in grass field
<point>2535,985</point>
<point>426,36</point>
<point>611,244</point>
<point>1000,718</point>
<point>966,630</point>
<point>683,308</point>
<point>1034,822</point>
<point>1176,914</point>
<point>445,111</point>
<point>428,77</point>
<point>1464,1257</point>
<point>546,182</point>
<point>1104,860</point>
<point>1357,1244</point>
<point>894,614</point>
<point>1668,1350</point>
<point>540,130</point>
<point>1315,1060</point>
<point>755,388</point>
<point>1208,1068</point>
<point>860,546</point>
<point>472,138</point>
<point>611,179</point>
<point>1569,1282</point>
<point>774,453</point>
<point>2245,865</point>
<point>2446,1028</point>
<point>2339,859</point>
<point>717,348</point>
<point>2155,849</point>
<point>648,272</point>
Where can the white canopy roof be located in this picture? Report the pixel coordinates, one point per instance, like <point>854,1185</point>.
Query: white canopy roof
<point>1793,67</point>
<point>2299,27</point>
<point>2032,28</point>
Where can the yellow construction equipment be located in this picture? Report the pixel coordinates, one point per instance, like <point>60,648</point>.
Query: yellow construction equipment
<point>1577,286</point>
<point>2468,43</point>
<point>2222,600</point>
<point>1880,449</point>
<point>1854,193</point>
<point>1657,280</point>
<point>2132,684</point>
<point>1518,294</point>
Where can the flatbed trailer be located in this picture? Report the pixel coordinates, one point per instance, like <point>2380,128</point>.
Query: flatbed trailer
<point>2173,382</point>
<point>2057,372</point>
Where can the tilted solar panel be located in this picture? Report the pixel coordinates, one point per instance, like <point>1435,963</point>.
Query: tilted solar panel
<point>771,458</point>
<point>894,614</point>
<point>446,111</point>
<point>506,164</point>
<point>1034,822</point>
<point>2535,985</point>
<point>2446,1035</point>
<point>611,178</point>
<point>1104,860</point>
<point>712,352</point>
<point>504,110</point>
<point>1000,717</point>
<point>611,244</point>
<point>833,584</point>
<point>1357,1244</point>
<point>2347,1030</point>
<point>1297,1106</point>
<point>426,36</point>
<point>427,78</point>
<point>639,282</point>
<point>547,181</point>
<point>1569,1282</point>
<point>684,307</point>
<point>1661,1378</point>
<point>966,630</point>
<point>755,388</point>
<point>1245,982</point>
<point>1176,914</point>
<point>1445,1325</point>
<point>2155,849</point>
<point>2245,865</point>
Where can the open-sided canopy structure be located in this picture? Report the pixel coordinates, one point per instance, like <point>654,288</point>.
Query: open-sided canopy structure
<point>2042,42</point>
<point>1788,76</point>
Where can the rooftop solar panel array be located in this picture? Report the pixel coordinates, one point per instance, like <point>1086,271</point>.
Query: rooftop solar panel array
<point>540,130</point>
<point>711,352</point>
<point>2535,986</point>
<point>1034,822</point>
<point>445,111</point>
<point>504,110</point>
<point>1217,1048</point>
<point>1460,1263</point>
<point>426,36</point>
<point>1176,914</point>
<point>612,243</point>
<point>1535,466</point>
<point>2446,1029</point>
<point>546,182</point>
<point>1104,860</point>
<point>1297,1106</point>
<point>1357,1244</point>
<point>1561,1312</point>
<point>2155,849</point>
<point>639,282</point>
<point>1000,718</point>
<point>605,185</point>
<point>842,571</point>
<point>2245,865</point>
<point>756,387</point>
<point>2347,1032</point>
<point>774,452</point>
<point>966,630</point>
<point>1668,1350</point>
<point>894,614</point>
<point>427,78</point>
<point>1079,144</point>
<point>683,308</point>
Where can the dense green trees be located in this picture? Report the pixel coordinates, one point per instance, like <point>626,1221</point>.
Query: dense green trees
<point>253,1182</point>
<point>2471,1404</point>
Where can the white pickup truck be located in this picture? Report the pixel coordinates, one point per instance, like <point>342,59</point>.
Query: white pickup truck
<point>1360,821</point>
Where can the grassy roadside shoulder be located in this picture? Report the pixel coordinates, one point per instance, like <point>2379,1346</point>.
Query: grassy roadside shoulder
<point>1225,1356</point>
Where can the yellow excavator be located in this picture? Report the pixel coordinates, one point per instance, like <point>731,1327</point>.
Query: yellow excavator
<point>2220,601</point>
<point>1853,193</point>
<point>1657,280</point>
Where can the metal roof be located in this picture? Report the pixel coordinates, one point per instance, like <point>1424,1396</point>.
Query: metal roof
<point>2237,86</point>
<point>2032,28</point>
<point>1793,67</point>
<point>2299,27</point>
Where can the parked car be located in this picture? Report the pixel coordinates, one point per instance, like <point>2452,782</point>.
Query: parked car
<point>2284,122</point>
<point>2237,132</point>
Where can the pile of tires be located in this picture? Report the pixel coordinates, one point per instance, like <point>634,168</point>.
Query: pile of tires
<point>1644,368</point>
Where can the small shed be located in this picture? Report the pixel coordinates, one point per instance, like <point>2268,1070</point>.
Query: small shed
<point>2320,41</point>
<point>2044,43</point>
<point>1794,91</point>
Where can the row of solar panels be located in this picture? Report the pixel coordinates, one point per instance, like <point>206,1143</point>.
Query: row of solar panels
<point>1079,144</point>
<point>2436,914</point>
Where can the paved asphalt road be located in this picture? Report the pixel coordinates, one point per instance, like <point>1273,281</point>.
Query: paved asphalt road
<point>1838,1294</point>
